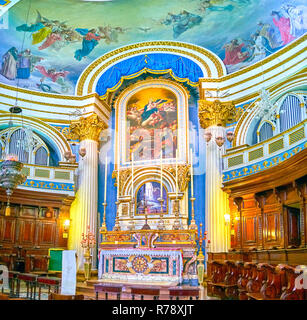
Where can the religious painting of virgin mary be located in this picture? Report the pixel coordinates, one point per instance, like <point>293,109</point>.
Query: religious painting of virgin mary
<point>147,197</point>
<point>152,124</point>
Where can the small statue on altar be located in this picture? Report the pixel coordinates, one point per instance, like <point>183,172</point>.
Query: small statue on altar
<point>88,242</point>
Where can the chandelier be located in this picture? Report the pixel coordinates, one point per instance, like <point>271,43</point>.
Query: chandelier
<point>10,168</point>
<point>265,107</point>
<point>10,178</point>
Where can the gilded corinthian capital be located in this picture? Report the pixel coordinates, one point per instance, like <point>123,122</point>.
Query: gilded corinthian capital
<point>217,113</point>
<point>87,128</point>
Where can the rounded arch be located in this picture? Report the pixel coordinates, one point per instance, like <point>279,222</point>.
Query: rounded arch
<point>120,105</point>
<point>210,64</point>
<point>248,124</point>
<point>265,130</point>
<point>59,142</point>
<point>148,174</point>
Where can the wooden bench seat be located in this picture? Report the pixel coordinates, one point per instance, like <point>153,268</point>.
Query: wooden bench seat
<point>258,296</point>
<point>177,292</point>
<point>221,284</point>
<point>108,288</point>
<point>50,282</point>
<point>30,280</point>
<point>145,291</point>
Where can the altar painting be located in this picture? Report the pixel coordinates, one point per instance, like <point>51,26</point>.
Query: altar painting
<point>152,124</point>
<point>147,196</point>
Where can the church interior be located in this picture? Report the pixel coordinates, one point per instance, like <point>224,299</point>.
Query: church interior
<point>153,150</point>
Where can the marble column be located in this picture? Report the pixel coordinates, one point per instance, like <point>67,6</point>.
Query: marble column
<point>83,211</point>
<point>213,116</point>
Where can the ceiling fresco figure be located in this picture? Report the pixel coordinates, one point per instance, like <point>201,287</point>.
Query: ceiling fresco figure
<point>9,64</point>
<point>181,22</point>
<point>90,41</point>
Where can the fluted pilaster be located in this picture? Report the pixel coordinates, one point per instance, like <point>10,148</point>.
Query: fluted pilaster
<point>216,198</point>
<point>213,116</point>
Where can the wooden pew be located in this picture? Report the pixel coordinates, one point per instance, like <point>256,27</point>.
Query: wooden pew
<point>222,271</point>
<point>259,276</point>
<point>182,292</point>
<point>56,296</point>
<point>143,291</point>
<point>108,288</point>
<point>243,280</point>
<point>291,292</point>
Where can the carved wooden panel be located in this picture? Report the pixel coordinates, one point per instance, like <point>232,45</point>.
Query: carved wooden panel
<point>272,229</point>
<point>7,230</point>
<point>46,233</point>
<point>293,226</point>
<point>249,230</point>
<point>28,211</point>
<point>26,232</point>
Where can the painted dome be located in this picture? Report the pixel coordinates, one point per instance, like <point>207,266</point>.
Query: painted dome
<point>46,45</point>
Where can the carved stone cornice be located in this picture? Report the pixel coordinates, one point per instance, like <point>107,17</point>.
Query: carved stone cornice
<point>87,128</point>
<point>217,113</point>
<point>183,175</point>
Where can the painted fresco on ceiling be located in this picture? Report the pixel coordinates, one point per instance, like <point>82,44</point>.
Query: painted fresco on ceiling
<point>49,43</point>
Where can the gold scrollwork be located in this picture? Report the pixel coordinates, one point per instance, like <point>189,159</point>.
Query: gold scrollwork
<point>123,176</point>
<point>183,175</point>
<point>217,113</point>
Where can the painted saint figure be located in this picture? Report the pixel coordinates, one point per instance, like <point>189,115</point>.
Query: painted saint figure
<point>260,49</point>
<point>283,24</point>
<point>298,18</point>
<point>234,53</point>
<point>89,42</point>
<point>54,76</point>
<point>182,22</point>
<point>9,64</point>
<point>52,38</point>
<point>267,31</point>
<point>149,110</point>
<point>26,63</point>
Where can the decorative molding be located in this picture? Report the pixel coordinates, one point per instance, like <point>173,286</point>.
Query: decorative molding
<point>262,62</point>
<point>168,170</point>
<point>243,172</point>
<point>124,174</point>
<point>183,175</point>
<point>154,47</point>
<point>100,70</point>
<point>217,113</point>
<point>87,128</point>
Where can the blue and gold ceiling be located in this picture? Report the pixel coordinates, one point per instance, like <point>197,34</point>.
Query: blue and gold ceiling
<point>46,44</point>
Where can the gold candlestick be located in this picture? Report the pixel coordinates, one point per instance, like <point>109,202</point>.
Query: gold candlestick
<point>146,226</point>
<point>104,226</point>
<point>192,225</point>
<point>200,259</point>
<point>117,225</point>
<point>161,225</point>
<point>176,225</point>
<point>131,222</point>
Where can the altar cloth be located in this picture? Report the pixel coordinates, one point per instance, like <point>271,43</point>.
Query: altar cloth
<point>141,264</point>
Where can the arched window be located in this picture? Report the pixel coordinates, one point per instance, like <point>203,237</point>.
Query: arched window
<point>290,113</point>
<point>265,132</point>
<point>17,145</point>
<point>41,156</point>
